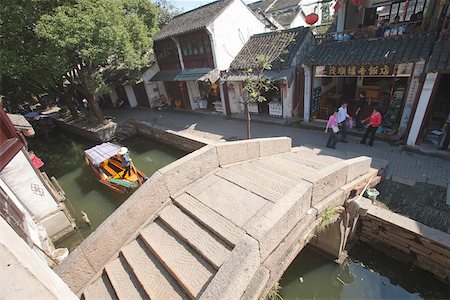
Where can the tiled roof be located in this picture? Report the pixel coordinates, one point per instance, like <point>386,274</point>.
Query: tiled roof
<point>283,4</point>
<point>279,46</point>
<point>440,59</point>
<point>193,20</point>
<point>263,5</point>
<point>397,49</point>
<point>285,19</point>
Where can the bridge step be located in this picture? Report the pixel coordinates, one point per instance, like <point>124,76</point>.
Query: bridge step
<point>99,290</point>
<point>182,262</point>
<point>209,246</point>
<point>123,281</point>
<point>155,280</point>
<point>220,226</point>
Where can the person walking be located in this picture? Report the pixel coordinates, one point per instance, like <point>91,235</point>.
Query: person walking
<point>342,120</point>
<point>374,120</point>
<point>332,129</point>
<point>446,129</point>
<point>360,109</point>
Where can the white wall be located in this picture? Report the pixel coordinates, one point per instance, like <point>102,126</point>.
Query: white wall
<point>424,100</point>
<point>235,95</point>
<point>288,98</point>
<point>151,87</point>
<point>23,274</point>
<point>114,96</point>
<point>230,31</point>
<point>411,95</point>
<point>130,95</point>
<point>22,179</point>
<point>193,92</point>
<point>298,21</point>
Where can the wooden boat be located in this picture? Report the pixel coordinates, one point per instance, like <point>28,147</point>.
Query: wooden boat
<point>105,161</point>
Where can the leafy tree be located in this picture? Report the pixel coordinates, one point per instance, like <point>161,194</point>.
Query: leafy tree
<point>99,36</point>
<point>31,67</point>
<point>166,12</point>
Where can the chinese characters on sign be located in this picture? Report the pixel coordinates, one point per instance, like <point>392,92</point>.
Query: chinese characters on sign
<point>355,70</point>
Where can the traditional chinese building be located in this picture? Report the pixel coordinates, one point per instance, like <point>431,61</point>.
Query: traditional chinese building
<point>381,47</point>
<point>284,51</point>
<point>293,13</point>
<point>194,46</point>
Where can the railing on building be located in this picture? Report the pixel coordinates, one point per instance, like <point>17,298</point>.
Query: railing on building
<point>371,32</point>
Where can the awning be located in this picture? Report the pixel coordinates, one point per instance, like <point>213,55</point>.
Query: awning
<point>166,75</point>
<point>102,152</point>
<point>270,74</point>
<point>197,74</point>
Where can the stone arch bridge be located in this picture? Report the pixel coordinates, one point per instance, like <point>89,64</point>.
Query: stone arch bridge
<point>223,222</point>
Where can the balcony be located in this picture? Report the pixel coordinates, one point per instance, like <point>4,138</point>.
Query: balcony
<point>371,32</point>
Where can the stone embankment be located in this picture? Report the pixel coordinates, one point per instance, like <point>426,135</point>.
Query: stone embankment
<point>408,241</point>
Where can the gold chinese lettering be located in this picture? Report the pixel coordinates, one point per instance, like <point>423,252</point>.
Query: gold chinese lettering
<point>362,71</point>
<point>373,70</point>
<point>384,70</point>
<point>332,70</point>
<point>351,70</point>
<point>342,70</point>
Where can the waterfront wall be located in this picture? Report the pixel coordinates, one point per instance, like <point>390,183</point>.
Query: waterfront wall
<point>172,138</point>
<point>102,133</point>
<point>408,241</point>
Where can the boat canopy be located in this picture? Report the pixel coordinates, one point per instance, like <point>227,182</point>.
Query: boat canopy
<point>100,153</point>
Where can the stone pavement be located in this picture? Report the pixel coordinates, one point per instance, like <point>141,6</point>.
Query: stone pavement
<point>409,172</point>
<point>403,165</point>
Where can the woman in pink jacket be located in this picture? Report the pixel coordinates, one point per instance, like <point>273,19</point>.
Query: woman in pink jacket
<point>374,120</point>
<point>332,129</point>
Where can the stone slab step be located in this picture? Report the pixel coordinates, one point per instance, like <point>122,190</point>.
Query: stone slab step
<point>185,265</point>
<point>315,162</point>
<point>262,179</point>
<point>99,290</point>
<point>155,280</point>
<point>123,282</point>
<point>208,245</point>
<point>280,167</point>
<point>222,227</point>
<point>248,184</point>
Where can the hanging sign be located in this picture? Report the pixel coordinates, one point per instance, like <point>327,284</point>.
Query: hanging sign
<point>355,70</point>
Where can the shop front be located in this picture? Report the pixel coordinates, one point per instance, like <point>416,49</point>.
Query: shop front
<point>385,87</point>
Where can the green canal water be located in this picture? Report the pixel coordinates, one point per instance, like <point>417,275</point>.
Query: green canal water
<point>64,158</point>
<point>366,274</point>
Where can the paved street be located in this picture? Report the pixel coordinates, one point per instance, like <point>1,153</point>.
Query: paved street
<point>415,185</point>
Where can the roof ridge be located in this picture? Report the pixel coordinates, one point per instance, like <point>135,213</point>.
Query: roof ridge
<point>200,7</point>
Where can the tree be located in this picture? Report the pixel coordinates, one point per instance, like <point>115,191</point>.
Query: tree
<point>31,67</point>
<point>255,85</point>
<point>100,35</point>
<point>166,12</point>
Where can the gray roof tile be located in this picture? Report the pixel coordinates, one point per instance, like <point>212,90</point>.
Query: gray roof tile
<point>193,20</point>
<point>279,46</point>
<point>397,49</point>
<point>440,59</point>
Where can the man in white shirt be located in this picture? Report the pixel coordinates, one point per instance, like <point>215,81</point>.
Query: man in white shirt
<point>341,118</point>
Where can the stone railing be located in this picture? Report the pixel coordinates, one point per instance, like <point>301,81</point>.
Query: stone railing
<point>407,240</point>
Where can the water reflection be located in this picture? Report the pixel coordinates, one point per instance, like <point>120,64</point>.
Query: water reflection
<point>64,158</point>
<point>366,274</point>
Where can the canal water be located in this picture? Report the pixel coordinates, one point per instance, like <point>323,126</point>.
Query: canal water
<point>366,274</point>
<point>64,158</point>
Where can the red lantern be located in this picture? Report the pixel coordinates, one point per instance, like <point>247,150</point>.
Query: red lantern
<point>312,18</point>
<point>214,86</point>
<point>337,6</point>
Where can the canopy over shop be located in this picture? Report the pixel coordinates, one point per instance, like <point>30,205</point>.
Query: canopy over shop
<point>204,91</point>
<point>383,68</point>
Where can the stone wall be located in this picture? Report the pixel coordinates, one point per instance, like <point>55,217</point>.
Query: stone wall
<point>408,241</point>
<point>102,133</point>
<point>169,137</point>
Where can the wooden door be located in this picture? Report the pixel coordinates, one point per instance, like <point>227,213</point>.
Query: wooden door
<point>298,101</point>
<point>120,90</point>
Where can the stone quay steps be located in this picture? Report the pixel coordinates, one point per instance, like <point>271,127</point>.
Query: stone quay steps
<point>175,257</point>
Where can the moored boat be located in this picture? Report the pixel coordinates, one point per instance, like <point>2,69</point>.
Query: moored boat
<point>107,162</point>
